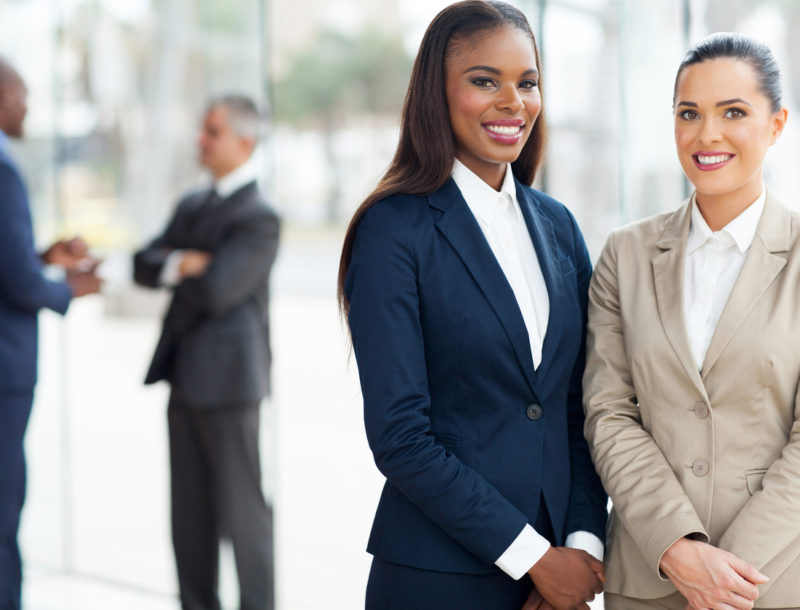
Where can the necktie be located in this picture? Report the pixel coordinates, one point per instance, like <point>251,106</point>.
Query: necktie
<point>196,217</point>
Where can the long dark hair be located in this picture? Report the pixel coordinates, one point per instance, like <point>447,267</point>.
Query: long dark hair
<point>424,158</point>
<point>738,46</point>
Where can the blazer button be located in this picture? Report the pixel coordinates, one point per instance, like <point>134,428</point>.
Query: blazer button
<point>700,468</point>
<point>534,412</point>
<point>701,410</point>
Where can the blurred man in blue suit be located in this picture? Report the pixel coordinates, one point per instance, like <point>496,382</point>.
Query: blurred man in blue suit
<point>24,289</point>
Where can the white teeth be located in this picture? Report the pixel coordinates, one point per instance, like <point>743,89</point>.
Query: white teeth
<point>711,159</point>
<point>504,131</point>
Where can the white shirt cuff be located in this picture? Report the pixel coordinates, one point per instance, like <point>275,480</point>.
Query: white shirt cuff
<point>587,542</point>
<point>54,273</point>
<point>523,553</point>
<point>170,273</point>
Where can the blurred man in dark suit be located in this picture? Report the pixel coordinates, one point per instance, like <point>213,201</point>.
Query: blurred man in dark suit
<point>216,254</point>
<point>24,290</point>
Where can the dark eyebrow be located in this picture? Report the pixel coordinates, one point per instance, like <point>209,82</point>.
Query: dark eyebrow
<point>736,100</point>
<point>482,69</point>
<point>532,71</point>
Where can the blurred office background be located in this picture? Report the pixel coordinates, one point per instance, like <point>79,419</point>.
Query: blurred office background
<point>116,91</point>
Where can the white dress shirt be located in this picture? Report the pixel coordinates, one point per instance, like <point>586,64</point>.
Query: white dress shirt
<point>501,221</point>
<point>713,263</point>
<point>224,188</point>
<point>500,218</point>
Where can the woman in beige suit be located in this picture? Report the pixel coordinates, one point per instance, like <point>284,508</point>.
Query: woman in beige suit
<point>691,384</point>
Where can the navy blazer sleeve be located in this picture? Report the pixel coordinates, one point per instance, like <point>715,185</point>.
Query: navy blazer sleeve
<point>384,318</point>
<point>22,284</point>
<point>588,499</point>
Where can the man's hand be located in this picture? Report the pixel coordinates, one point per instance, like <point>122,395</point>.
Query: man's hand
<point>83,282</point>
<point>68,253</point>
<point>193,263</point>
<point>567,578</point>
<point>709,577</point>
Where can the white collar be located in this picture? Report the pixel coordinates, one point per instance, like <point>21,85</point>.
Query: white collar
<point>236,179</point>
<point>741,229</point>
<point>483,199</point>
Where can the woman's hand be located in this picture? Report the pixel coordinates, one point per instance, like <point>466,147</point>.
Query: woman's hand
<point>567,578</point>
<point>534,601</point>
<point>710,578</point>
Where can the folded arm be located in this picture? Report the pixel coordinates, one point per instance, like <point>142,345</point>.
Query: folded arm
<point>241,261</point>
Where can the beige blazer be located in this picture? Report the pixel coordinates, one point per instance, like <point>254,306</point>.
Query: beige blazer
<point>714,452</point>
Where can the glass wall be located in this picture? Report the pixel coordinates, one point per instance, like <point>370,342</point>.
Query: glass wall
<point>116,90</point>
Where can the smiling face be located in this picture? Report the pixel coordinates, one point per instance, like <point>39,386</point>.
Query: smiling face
<point>724,125</point>
<point>493,99</point>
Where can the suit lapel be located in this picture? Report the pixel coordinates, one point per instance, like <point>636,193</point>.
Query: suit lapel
<point>760,268</point>
<point>544,242</point>
<point>211,216</point>
<point>668,268</point>
<point>460,228</point>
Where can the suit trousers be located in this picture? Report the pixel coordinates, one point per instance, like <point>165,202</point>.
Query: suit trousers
<point>15,409</point>
<point>216,493</point>
<point>397,587</point>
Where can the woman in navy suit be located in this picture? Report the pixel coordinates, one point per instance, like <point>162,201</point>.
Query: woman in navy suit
<point>465,293</point>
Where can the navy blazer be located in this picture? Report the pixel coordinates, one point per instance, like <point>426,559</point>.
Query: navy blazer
<point>447,378</point>
<point>23,288</point>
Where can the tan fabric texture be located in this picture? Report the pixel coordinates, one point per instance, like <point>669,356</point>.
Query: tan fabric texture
<point>676,601</point>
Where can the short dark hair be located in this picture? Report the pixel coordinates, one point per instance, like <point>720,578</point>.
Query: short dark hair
<point>738,46</point>
<point>243,113</point>
<point>425,153</point>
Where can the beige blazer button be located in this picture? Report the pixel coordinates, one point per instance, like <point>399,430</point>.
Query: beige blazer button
<point>701,410</point>
<point>700,468</point>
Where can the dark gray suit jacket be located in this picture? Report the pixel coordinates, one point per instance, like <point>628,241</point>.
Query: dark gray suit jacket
<point>214,347</point>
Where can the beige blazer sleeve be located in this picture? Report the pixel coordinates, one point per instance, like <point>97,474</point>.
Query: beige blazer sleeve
<point>648,499</point>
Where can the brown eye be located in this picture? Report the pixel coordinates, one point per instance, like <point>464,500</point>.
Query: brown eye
<point>484,83</point>
<point>735,113</point>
